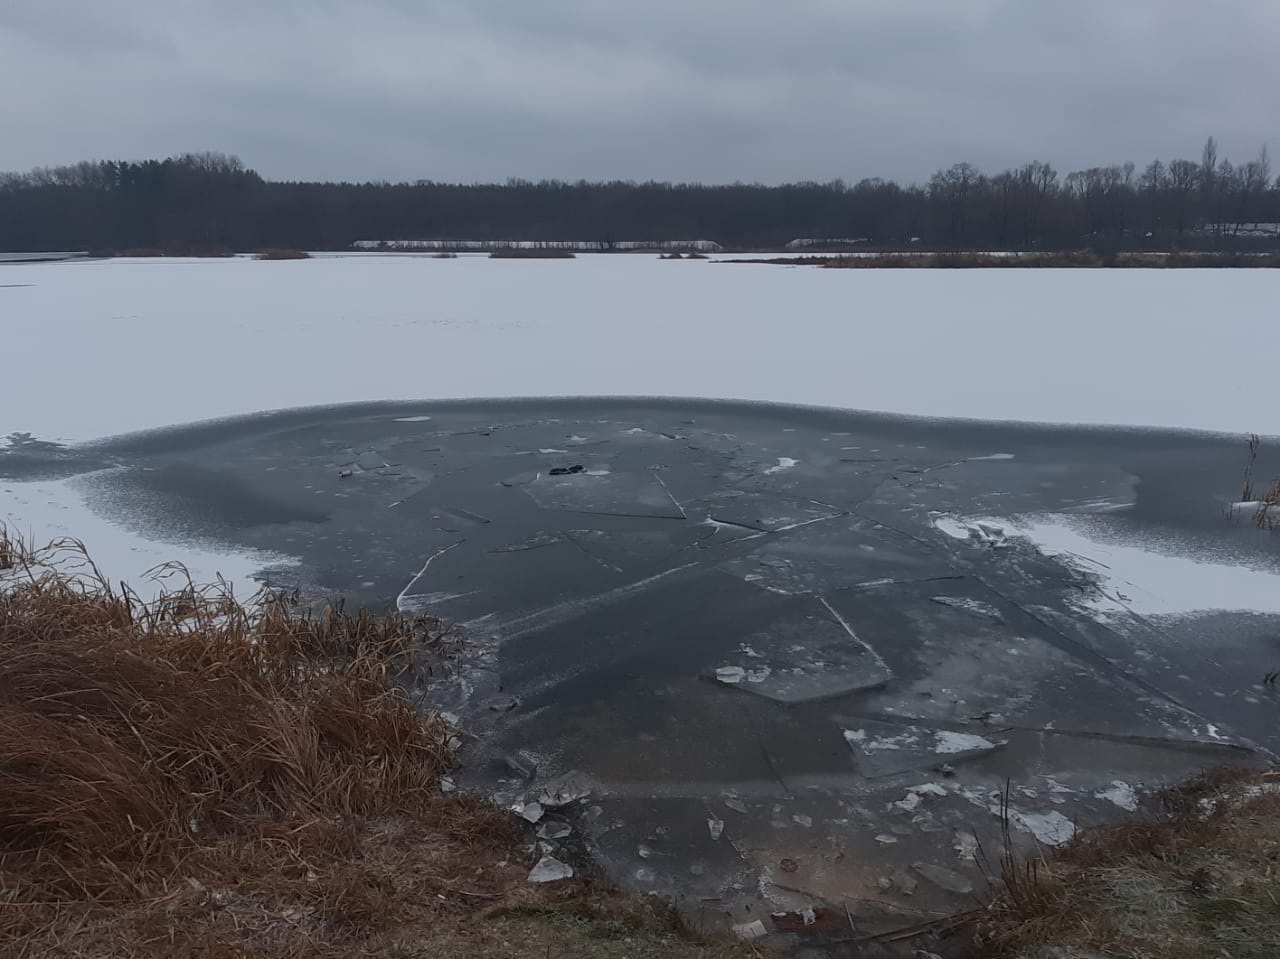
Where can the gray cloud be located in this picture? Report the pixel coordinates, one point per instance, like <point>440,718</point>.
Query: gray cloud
<point>714,90</point>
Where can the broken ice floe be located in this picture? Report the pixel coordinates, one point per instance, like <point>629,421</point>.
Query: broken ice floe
<point>966,846</point>
<point>550,869</point>
<point>731,674</point>
<point>554,830</point>
<point>529,812</point>
<point>1051,828</point>
<point>943,878</point>
<point>980,532</point>
<point>916,795</point>
<point>565,789</point>
<point>944,741</point>
<point>1120,793</point>
<point>806,654</point>
<point>974,606</point>
<point>950,742</point>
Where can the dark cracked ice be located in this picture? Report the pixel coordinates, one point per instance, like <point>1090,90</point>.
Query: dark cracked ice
<point>728,650</point>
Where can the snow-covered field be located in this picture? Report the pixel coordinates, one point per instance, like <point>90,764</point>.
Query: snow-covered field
<point>96,348</point>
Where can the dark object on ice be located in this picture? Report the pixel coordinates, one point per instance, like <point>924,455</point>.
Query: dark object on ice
<point>568,470</point>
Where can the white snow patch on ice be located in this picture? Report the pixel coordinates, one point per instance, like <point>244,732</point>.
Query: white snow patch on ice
<point>952,527</point>
<point>784,463</point>
<point>966,846</point>
<point>45,511</point>
<point>1051,828</point>
<point>860,738</point>
<point>412,419</point>
<point>1153,582</point>
<point>930,789</point>
<point>359,328</point>
<point>992,456</point>
<point>952,742</point>
<point>916,795</point>
<point>1120,793</point>
<point>1150,578</point>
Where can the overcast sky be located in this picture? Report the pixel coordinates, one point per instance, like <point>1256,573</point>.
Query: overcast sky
<point>711,90</point>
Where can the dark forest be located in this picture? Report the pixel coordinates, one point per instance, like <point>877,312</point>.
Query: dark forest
<point>212,202</point>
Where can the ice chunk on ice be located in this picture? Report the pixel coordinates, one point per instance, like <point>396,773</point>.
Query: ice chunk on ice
<point>951,742</point>
<point>550,869</point>
<point>1120,793</point>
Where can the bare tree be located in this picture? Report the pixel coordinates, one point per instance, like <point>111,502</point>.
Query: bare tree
<point>1250,182</point>
<point>1208,165</point>
<point>1037,182</point>
<point>954,188</point>
<point>1184,176</point>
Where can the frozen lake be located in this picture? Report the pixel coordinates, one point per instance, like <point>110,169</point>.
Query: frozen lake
<point>794,653</point>
<point>104,347</point>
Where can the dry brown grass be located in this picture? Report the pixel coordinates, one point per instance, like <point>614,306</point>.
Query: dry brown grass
<point>1201,880</point>
<point>1268,506</point>
<point>1264,516</point>
<point>197,777</point>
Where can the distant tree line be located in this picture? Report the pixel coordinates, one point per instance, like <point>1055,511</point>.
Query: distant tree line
<point>210,201</point>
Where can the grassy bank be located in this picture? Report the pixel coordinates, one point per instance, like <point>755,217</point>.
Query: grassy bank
<point>1199,880</point>
<point>198,777</point>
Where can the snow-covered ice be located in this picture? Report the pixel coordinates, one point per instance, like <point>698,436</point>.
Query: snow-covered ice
<point>149,343</point>
<point>784,463</point>
<point>1120,793</point>
<point>952,742</point>
<point>1051,828</point>
<point>1151,578</point>
<point>43,512</point>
